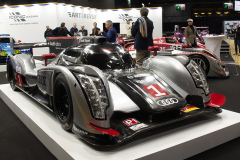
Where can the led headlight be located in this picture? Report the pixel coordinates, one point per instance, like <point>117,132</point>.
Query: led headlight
<point>96,95</point>
<point>198,76</point>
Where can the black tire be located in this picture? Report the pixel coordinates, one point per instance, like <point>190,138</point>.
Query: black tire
<point>11,76</point>
<point>202,62</point>
<point>63,107</point>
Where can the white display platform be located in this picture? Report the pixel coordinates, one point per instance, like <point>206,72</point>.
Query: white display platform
<point>213,43</point>
<point>184,140</point>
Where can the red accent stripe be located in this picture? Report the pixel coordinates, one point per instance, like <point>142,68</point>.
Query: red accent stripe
<point>105,131</point>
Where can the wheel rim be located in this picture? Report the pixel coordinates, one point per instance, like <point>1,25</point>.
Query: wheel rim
<point>201,63</point>
<point>62,100</point>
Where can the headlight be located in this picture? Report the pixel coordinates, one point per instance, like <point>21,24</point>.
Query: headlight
<point>198,76</point>
<point>96,95</point>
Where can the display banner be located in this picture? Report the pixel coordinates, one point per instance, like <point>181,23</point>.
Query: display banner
<point>58,44</point>
<point>28,22</point>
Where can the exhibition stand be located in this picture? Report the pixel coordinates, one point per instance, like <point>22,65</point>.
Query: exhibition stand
<point>213,43</point>
<point>184,139</point>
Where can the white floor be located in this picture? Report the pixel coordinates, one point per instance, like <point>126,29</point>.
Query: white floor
<point>176,143</point>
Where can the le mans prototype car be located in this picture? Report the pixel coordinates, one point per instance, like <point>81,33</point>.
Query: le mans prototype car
<point>165,46</point>
<point>96,91</point>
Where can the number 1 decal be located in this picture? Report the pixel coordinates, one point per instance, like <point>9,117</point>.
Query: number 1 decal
<point>155,90</point>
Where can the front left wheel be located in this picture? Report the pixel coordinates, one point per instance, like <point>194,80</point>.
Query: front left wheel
<point>11,76</point>
<point>63,107</point>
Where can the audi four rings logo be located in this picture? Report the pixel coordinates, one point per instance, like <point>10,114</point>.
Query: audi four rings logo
<point>168,101</point>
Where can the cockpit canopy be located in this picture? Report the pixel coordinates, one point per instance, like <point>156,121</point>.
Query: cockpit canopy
<point>108,56</point>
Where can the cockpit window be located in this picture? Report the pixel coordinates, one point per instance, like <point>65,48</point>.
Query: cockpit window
<point>4,40</point>
<point>70,56</point>
<point>170,40</point>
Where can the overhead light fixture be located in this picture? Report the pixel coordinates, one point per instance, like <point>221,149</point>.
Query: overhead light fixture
<point>195,13</point>
<point>226,12</point>
<point>218,12</point>
<point>209,12</point>
<point>203,13</point>
<point>5,5</point>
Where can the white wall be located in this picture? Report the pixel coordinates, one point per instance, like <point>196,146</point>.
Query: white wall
<point>28,23</point>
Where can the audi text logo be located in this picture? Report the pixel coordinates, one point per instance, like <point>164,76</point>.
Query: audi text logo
<point>168,101</point>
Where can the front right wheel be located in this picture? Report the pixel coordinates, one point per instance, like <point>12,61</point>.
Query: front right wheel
<point>202,62</point>
<point>63,107</point>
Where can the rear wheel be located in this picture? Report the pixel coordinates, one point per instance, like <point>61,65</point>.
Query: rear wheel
<point>63,103</point>
<point>202,62</point>
<point>11,76</point>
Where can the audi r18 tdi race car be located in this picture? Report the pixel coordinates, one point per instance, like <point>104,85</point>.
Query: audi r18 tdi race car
<point>166,46</point>
<point>96,91</point>
<point>5,47</point>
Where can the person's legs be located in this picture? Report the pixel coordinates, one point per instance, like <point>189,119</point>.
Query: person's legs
<point>238,44</point>
<point>235,43</point>
<point>140,55</point>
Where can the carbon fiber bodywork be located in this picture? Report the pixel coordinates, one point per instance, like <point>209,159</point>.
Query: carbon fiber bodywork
<point>138,99</point>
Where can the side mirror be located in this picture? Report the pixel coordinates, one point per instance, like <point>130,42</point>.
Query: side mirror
<point>48,56</point>
<point>19,41</point>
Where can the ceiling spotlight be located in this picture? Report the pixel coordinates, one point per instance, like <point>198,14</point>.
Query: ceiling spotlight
<point>218,12</point>
<point>209,12</point>
<point>195,13</point>
<point>203,13</point>
<point>5,5</point>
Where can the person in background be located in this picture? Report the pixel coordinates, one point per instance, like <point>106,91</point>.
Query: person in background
<point>111,35</point>
<point>63,31</point>
<point>142,30</point>
<point>74,29</point>
<point>83,31</point>
<point>236,39</point>
<point>128,27</point>
<point>191,34</point>
<point>95,30</point>
<point>55,31</point>
<point>48,32</point>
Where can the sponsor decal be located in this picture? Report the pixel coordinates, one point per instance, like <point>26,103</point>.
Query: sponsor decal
<point>21,19</point>
<point>85,40</point>
<point>139,81</point>
<point>19,80</point>
<point>18,69</point>
<point>41,80</point>
<point>130,121</point>
<point>81,15</point>
<point>175,47</point>
<point>138,76</point>
<point>189,109</point>
<point>168,101</point>
<point>126,17</point>
<point>138,126</point>
<point>155,90</point>
<point>55,44</point>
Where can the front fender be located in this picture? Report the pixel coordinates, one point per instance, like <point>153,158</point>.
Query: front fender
<point>172,71</point>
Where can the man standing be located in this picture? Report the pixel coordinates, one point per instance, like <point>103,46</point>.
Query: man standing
<point>95,30</point>
<point>48,32</point>
<point>142,30</point>
<point>111,34</point>
<point>74,29</point>
<point>129,28</point>
<point>236,39</point>
<point>83,31</point>
<point>191,34</point>
<point>63,31</point>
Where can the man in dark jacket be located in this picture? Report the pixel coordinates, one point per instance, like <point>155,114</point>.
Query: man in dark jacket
<point>74,29</point>
<point>142,30</point>
<point>112,32</point>
<point>63,31</point>
<point>48,32</point>
<point>236,39</point>
<point>95,30</point>
<point>83,31</point>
